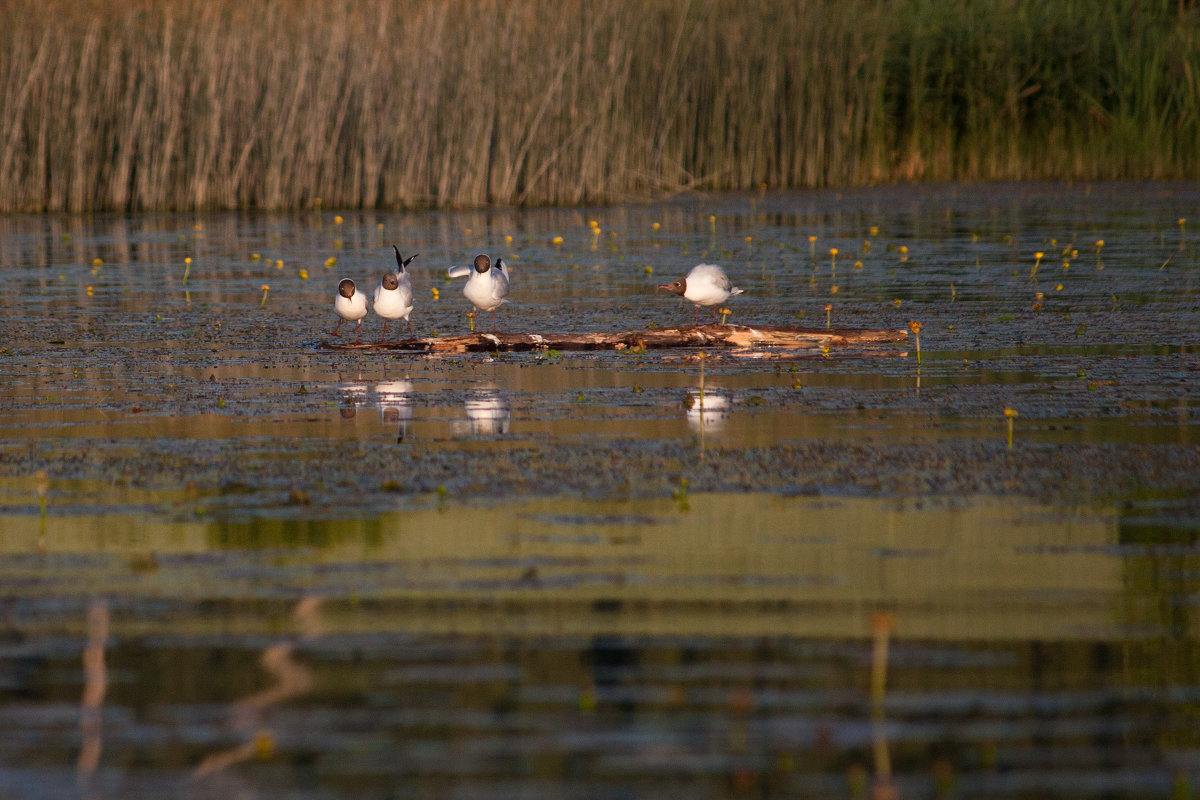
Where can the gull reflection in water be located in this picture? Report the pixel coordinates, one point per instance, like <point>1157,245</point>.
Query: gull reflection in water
<point>707,412</point>
<point>353,395</point>
<point>487,415</point>
<point>394,399</point>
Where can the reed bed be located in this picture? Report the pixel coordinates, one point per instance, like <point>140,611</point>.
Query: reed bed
<point>223,104</point>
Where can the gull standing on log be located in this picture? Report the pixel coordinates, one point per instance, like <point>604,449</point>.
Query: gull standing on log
<point>487,286</point>
<point>705,285</point>
<point>350,305</point>
<point>394,294</point>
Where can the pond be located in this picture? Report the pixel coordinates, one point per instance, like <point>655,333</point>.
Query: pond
<point>238,562</point>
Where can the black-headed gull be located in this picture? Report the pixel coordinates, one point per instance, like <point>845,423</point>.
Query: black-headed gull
<point>350,305</point>
<point>487,285</point>
<point>394,295</point>
<point>705,285</point>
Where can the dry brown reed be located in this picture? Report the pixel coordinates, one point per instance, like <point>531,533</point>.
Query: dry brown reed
<point>217,104</point>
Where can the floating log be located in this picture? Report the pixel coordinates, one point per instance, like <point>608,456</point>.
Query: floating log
<point>738,336</point>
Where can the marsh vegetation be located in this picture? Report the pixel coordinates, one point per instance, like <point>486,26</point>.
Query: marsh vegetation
<point>408,103</point>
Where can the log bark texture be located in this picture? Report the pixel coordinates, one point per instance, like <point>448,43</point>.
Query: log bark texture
<point>735,336</point>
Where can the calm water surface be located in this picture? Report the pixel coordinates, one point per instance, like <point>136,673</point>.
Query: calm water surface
<point>236,563</point>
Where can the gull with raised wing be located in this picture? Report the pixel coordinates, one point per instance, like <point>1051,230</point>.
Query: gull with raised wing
<point>487,284</point>
<point>350,305</point>
<point>705,285</point>
<point>394,294</point>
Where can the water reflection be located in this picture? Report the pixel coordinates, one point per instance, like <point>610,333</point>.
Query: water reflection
<point>394,399</point>
<point>353,395</point>
<point>292,679</point>
<point>95,686</point>
<point>624,647</point>
<point>885,788</point>
<point>553,646</point>
<point>487,415</point>
<point>707,412</point>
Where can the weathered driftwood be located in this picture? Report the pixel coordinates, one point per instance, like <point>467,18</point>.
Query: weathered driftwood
<point>741,336</point>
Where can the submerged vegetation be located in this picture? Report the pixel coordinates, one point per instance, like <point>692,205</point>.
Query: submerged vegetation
<point>214,104</point>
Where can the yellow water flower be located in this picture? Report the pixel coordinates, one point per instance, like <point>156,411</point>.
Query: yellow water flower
<point>264,746</point>
<point>337,220</point>
<point>915,327</point>
<point>303,274</point>
<point>331,261</point>
<point>1010,414</point>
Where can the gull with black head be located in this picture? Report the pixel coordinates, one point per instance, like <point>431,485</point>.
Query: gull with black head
<point>394,294</point>
<point>350,305</point>
<point>705,285</point>
<point>487,283</point>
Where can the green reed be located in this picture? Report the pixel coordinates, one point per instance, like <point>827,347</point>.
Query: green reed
<point>213,104</point>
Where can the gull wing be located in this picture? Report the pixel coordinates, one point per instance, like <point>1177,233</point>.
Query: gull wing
<point>459,271</point>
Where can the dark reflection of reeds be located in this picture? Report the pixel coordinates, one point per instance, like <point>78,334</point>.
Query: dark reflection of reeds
<point>234,104</point>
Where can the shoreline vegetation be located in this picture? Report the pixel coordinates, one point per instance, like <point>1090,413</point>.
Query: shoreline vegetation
<point>233,104</point>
